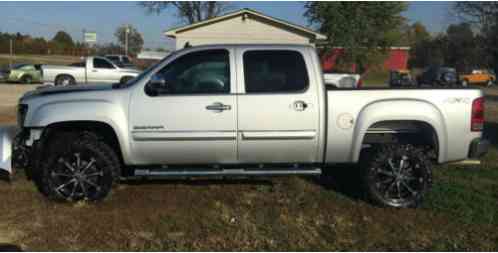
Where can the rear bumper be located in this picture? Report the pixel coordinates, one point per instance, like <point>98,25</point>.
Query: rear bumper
<point>478,148</point>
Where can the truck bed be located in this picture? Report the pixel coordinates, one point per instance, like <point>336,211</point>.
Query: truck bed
<point>352,113</point>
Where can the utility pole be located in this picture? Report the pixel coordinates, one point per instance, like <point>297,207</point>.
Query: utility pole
<point>127,30</point>
<point>11,53</point>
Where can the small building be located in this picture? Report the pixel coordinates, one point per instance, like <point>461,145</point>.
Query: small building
<point>242,27</point>
<point>397,58</point>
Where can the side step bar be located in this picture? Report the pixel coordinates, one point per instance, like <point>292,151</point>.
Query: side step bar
<point>225,172</point>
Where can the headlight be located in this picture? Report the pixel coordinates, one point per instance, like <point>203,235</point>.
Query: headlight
<point>22,110</point>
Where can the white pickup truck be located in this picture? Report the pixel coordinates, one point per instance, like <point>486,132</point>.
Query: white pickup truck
<point>342,80</point>
<point>90,70</point>
<point>241,110</point>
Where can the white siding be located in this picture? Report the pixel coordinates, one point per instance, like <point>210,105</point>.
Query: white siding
<point>237,31</point>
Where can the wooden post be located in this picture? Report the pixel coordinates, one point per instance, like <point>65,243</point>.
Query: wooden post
<point>11,53</point>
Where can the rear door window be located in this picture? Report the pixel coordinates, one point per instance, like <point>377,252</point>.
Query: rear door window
<point>275,71</point>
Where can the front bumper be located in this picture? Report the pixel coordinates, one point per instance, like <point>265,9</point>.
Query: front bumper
<point>7,135</point>
<point>478,148</point>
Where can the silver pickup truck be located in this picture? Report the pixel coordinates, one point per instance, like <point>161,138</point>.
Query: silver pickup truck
<point>241,110</point>
<point>90,70</point>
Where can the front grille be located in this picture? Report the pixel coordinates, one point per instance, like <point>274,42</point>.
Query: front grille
<point>22,110</point>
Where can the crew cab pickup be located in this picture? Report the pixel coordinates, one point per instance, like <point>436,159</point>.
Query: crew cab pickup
<point>90,70</point>
<point>242,110</point>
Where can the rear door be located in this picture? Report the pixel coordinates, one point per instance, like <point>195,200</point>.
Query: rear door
<point>278,112</point>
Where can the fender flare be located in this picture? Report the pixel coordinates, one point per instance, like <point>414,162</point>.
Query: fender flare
<point>400,110</point>
<point>76,111</point>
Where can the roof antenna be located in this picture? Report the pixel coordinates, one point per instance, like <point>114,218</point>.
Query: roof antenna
<point>187,45</point>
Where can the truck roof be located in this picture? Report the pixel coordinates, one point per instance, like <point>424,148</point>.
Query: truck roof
<point>207,46</point>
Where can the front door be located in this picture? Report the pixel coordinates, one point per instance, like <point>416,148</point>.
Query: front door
<point>191,118</point>
<point>278,113</point>
<point>103,71</point>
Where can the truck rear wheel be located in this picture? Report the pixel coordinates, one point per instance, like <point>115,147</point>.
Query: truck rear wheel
<point>397,175</point>
<point>64,80</point>
<point>78,167</point>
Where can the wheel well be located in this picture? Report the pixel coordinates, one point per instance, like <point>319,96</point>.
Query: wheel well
<point>103,130</point>
<point>403,131</point>
<point>61,75</point>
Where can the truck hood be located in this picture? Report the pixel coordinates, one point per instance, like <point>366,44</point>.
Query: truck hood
<point>41,91</point>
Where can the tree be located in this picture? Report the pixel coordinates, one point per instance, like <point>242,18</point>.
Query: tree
<point>365,30</point>
<point>484,16</point>
<point>64,39</point>
<point>189,12</point>
<point>135,40</point>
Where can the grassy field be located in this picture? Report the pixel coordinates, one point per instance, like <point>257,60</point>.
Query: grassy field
<point>38,59</point>
<point>279,214</point>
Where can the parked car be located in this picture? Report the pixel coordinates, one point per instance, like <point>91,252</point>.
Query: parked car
<point>400,78</point>
<point>438,77</point>
<point>90,70</point>
<point>342,80</point>
<point>479,76</point>
<point>121,60</point>
<point>192,115</point>
<point>22,73</point>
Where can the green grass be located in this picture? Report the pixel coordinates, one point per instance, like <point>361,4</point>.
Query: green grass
<point>470,195</point>
<point>38,59</point>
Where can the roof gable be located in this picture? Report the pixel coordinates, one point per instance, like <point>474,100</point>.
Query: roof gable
<point>246,13</point>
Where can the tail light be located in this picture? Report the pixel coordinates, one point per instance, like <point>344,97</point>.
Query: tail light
<point>360,83</point>
<point>477,119</point>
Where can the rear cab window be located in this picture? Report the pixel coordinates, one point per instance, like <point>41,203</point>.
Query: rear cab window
<point>275,71</point>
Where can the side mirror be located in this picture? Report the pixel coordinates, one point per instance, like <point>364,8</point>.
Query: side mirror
<point>156,85</point>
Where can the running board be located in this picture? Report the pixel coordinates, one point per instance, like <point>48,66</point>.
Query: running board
<point>225,172</point>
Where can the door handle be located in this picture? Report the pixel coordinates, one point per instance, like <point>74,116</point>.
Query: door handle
<point>218,107</point>
<point>94,70</point>
<point>300,106</point>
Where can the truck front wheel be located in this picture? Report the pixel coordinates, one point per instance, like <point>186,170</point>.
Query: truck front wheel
<point>78,167</point>
<point>397,175</point>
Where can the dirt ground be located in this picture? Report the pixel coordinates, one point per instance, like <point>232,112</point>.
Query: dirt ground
<point>278,214</point>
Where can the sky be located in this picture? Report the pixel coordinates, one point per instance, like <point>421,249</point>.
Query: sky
<point>44,19</point>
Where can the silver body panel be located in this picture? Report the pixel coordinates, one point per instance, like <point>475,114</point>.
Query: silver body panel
<point>263,128</point>
<point>88,74</point>
<point>7,134</point>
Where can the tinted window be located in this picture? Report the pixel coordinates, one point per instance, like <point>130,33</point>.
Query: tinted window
<point>113,58</point>
<point>274,71</point>
<point>102,64</point>
<point>126,59</point>
<point>197,73</point>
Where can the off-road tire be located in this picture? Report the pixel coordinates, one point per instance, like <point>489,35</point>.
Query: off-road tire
<point>64,80</point>
<point>381,180</point>
<point>67,148</point>
<point>26,79</point>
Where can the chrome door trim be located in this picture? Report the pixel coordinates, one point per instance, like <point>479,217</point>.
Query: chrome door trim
<point>278,135</point>
<point>183,135</point>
